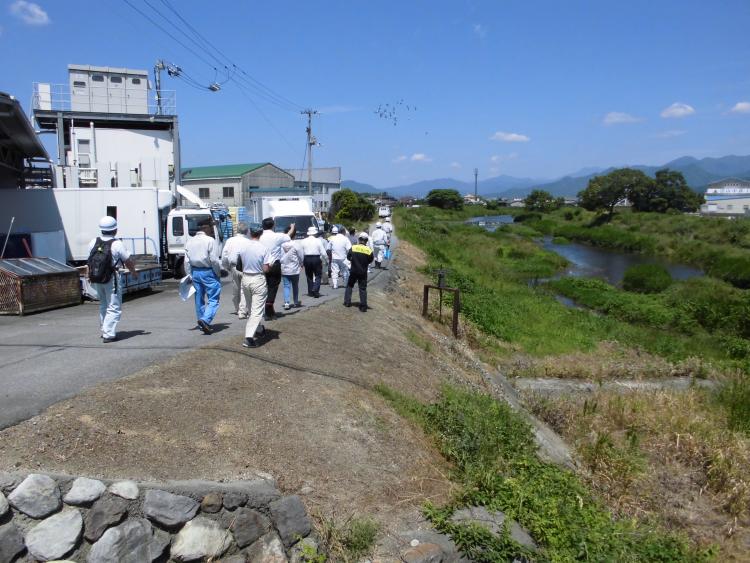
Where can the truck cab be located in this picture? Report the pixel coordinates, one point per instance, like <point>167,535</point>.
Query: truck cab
<point>182,223</point>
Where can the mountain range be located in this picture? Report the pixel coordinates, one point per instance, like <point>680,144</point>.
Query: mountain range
<point>698,174</point>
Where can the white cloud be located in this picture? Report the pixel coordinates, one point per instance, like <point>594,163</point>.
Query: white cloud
<point>399,158</point>
<point>30,13</point>
<point>497,158</point>
<point>509,137</point>
<point>480,30</point>
<point>670,134</point>
<point>741,107</point>
<point>420,157</point>
<point>678,109</point>
<point>455,164</point>
<point>617,117</point>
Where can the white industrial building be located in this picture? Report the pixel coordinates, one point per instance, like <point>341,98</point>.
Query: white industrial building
<point>728,197</point>
<point>117,153</point>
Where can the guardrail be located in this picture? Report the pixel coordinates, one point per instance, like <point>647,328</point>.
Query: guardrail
<point>58,97</point>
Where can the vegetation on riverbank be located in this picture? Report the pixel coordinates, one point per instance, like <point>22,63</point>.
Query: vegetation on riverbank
<point>720,247</point>
<point>493,452</point>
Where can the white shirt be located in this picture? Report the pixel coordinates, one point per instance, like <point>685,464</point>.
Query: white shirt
<point>202,251</point>
<point>388,228</point>
<point>273,241</point>
<point>254,254</point>
<point>230,249</point>
<point>340,245</point>
<point>313,246</point>
<point>291,261</point>
<point>120,254</point>
<point>378,237</point>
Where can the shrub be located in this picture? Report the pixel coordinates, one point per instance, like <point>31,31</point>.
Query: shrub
<point>646,278</point>
<point>531,216</point>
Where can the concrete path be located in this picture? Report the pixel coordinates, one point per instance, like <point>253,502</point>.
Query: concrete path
<point>53,355</point>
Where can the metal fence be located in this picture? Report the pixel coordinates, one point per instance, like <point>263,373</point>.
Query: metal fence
<point>58,97</point>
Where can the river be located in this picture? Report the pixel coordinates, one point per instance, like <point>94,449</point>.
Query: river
<point>592,261</point>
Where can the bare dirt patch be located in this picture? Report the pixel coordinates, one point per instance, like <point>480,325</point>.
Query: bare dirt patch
<point>301,407</point>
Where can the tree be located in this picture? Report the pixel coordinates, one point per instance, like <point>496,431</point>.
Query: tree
<point>539,200</point>
<point>445,199</point>
<point>604,192</point>
<point>668,191</point>
<point>347,205</point>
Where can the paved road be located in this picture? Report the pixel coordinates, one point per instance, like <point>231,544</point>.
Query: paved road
<point>50,356</point>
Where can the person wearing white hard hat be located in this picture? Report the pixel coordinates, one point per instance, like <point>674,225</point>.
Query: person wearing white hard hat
<point>315,252</point>
<point>340,247</point>
<point>361,256</point>
<point>379,240</point>
<point>105,255</point>
<point>388,228</point>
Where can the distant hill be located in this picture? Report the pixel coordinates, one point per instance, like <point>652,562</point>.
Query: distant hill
<point>359,186</point>
<point>698,173</point>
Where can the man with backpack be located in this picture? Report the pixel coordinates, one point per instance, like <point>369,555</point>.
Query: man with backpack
<point>105,255</point>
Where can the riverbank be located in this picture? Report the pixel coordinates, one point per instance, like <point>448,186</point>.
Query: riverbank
<point>687,442</point>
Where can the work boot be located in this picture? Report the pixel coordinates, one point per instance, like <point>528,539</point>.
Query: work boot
<point>205,327</point>
<point>249,343</point>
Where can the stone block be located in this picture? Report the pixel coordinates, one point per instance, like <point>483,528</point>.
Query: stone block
<point>291,520</point>
<point>199,539</point>
<point>106,512</point>
<point>133,541</point>
<point>267,549</point>
<point>37,496</point>
<point>56,536</point>
<point>84,491</point>
<point>248,525</point>
<point>125,489</point>
<point>11,542</point>
<point>168,509</point>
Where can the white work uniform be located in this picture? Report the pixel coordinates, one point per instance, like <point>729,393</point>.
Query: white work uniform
<point>379,240</point>
<point>273,241</point>
<point>238,296</point>
<point>388,229</point>
<point>313,246</point>
<point>110,293</point>
<point>202,251</point>
<point>340,247</point>
<point>253,255</point>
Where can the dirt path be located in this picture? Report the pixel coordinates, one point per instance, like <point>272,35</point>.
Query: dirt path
<point>300,407</point>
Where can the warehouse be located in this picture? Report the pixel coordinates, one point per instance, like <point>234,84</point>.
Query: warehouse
<point>728,197</point>
<point>236,184</point>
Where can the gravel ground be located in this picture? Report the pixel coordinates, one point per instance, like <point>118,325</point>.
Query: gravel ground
<point>299,407</point>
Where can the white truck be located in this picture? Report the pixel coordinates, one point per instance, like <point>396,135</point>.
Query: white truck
<point>286,210</point>
<point>384,211</point>
<point>149,224</point>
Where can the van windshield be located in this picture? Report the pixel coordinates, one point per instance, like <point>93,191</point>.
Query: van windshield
<point>301,222</point>
<point>193,221</point>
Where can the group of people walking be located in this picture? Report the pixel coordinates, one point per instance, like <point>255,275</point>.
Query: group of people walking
<point>258,259</point>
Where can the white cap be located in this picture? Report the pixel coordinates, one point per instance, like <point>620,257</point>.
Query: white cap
<point>387,219</point>
<point>335,230</point>
<point>107,224</point>
<point>312,231</point>
<point>363,235</point>
<point>378,224</point>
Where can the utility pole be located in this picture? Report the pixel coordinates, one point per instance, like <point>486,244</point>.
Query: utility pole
<point>158,67</point>
<point>476,174</point>
<point>311,141</point>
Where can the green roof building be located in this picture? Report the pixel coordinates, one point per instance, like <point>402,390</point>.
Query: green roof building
<point>236,184</point>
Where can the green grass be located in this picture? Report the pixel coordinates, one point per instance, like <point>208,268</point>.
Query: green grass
<point>734,397</point>
<point>493,452</point>
<point>496,274</point>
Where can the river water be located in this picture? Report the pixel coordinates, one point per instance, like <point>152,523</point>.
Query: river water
<point>591,261</point>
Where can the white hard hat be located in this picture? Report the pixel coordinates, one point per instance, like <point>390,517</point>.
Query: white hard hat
<point>335,230</point>
<point>378,224</point>
<point>387,219</point>
<point>312,231</point>
<point>107,223</point>
<point>363,235</point>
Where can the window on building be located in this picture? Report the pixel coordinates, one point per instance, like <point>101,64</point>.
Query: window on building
<point>228,191</point>
<point>178,227</point>
<point>97,78</point>
<point>116,79</point>
<point>112,211</point>
<point>204,193</point>
<point>84,153</point>
<point>79,84</point>
<point>136,80</point>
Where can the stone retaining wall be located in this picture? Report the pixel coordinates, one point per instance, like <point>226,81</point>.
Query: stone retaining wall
<point>55,517</point>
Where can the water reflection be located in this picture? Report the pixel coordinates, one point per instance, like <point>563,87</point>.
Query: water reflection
<point>491,222</point>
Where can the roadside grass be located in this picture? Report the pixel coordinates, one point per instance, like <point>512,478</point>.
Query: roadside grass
<point>418,340</point>
<point>493,452</point>
<point>639,446</point>
<point>497,274</point>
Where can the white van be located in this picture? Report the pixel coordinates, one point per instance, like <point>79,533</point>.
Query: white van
<point>384,211</point>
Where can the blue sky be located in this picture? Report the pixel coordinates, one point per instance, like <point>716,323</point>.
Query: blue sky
<point>525,88</point>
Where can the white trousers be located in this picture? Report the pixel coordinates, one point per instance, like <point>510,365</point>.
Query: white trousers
<point>238,296</point>
<point>339,266</point>
<point>379,253</point>
<point>110,305</point>
<point>255,289</point>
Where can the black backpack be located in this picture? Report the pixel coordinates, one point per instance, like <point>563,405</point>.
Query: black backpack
<point>101,268</point>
